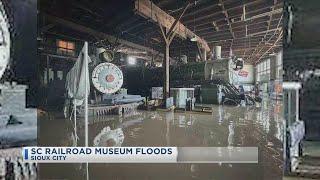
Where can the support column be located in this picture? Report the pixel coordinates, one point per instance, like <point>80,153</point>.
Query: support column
<point>168,37</point>
<point>47,73</point>
<point>204,54</point>
<point>167,72</point>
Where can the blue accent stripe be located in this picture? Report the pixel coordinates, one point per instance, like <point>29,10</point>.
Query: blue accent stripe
<point>26,154</point>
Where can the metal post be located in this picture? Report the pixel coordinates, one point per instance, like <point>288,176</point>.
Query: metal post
<point>86,93</point>
<point>297,105</point>
<point>75,120</point>
<point>47,74</point>
<point>166,88</point>
<point>86,99</point>
<point>47,70</point>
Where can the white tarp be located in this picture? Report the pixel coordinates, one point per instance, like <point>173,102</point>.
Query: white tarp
<point>75,82</point>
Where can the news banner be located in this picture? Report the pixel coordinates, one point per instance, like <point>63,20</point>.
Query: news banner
<point>140,154</point>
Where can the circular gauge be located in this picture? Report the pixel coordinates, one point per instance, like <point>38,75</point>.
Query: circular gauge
<point>4,40</point>
<point>107,78</point>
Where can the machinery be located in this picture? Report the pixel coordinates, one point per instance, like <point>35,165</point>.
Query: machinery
<point>107,78</point>
<point>202,76</point>
<point>213,78</point>
<point>207,92</point>
<point>108,97</point>
<point>15,118</point>
<point>310,103</point>
<point>183,98</point>
<point>18,124</point>
<point>193,75</point>
<point>303,66</point>
<point>295,128</point>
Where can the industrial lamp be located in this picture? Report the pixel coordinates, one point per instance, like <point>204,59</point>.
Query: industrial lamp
<point>194,39</point>
<point>131,60</point>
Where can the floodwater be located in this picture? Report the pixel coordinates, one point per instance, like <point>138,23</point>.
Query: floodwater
<point>226,126</point>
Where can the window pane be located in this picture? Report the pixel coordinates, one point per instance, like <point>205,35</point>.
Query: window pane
<point>65,47</point>
<point>71,45</point>
<point>62,44</point>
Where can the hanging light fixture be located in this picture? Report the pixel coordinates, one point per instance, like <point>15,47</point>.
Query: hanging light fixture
<point>194,38</point>
<point>131,60</point>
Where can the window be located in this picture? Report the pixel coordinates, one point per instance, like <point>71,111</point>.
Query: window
<point>263,70</point>
<point>45,78</point>
<point>65,47</point>
<point>279,66</point>
<point>60,75</point>
<point>51,75</point>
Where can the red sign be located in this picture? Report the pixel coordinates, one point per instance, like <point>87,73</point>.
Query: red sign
<point>243,73</point>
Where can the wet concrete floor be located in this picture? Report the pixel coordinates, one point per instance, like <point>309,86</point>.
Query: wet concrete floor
<point>225,126</point>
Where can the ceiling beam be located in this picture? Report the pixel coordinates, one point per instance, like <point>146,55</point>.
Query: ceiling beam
<point>255,32</point>
<point>267,41</point>
<point>271,47</point>
<point>207,19</point>
<point>192,14</point>
<point>265,32</point>
<point>238,15</point>
<point>270,13</point>
<point>210,26</point>
<point>227,18</point>
<point>98,34</point>
<point>149,10</point>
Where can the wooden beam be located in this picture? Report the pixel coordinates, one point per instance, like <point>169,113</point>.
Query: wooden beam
<point>264,40</point>
<point>162,31</point>
<point>47,27</point>
<point>274,45</point>
<point>174,25</point>
<point>209,7</point>
<point>87,30</point>
<point>200,53</point>
<point>149,10</point>
<point>227,18</point>
<point>270,13</point>
<point>230,39</point>
<point>204,18</point>
<point>168,37</point>
<point>265,32</point>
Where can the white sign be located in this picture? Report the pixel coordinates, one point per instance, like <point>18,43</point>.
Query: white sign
<point>100,154</point>
<point>244,76</point>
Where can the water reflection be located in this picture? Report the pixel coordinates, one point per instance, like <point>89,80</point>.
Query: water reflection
<point>224,127</point>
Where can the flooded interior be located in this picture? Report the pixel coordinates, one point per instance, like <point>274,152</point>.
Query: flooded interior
<point>260,127</point>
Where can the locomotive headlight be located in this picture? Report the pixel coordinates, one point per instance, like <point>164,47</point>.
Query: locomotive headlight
<point>132,60</point>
